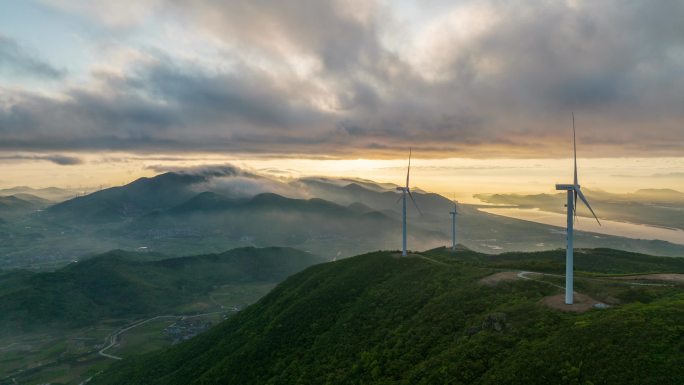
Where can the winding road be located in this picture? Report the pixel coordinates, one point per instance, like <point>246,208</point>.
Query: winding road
<point>523,275</point>
<point>111,339</point>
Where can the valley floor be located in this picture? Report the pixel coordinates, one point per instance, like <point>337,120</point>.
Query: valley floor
<point>77,355</point>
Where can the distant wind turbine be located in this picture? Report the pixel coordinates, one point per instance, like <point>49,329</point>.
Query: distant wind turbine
<point>406,191</point>
<point>574,191</point>
<point>453,226</point>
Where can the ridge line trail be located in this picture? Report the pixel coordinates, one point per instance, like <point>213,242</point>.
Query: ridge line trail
<point>433,260</point>
<point>8,346</point>
<point>523,275</point>
<point>615,279</point>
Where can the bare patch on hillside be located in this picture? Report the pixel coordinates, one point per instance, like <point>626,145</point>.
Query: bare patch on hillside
<point>582,303</point>
<point>676,278</point>
<point>492,280</point>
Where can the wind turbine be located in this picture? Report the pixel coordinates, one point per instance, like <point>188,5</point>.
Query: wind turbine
<point>406,191</point>
<point>453,226</point>
<point>574,191</point>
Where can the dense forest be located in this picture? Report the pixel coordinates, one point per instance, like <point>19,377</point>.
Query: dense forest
<point>126,284</point>
<point>429,319</point>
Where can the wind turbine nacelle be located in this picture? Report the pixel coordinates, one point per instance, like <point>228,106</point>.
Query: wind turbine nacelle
<point>402,189</point>
<point>567,187</point>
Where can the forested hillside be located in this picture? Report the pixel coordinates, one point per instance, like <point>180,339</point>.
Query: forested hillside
<point>124,284</point>
<point>429,319</point>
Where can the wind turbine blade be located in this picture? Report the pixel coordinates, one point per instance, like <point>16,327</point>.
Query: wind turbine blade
<point>574,146</point>
<point>398,199</point>
<point>574,207</point>
<point>581,196</point>
<point>408,171</point>
<point>414,203</point>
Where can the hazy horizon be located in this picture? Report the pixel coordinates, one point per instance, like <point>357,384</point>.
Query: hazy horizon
<point>462,177</point>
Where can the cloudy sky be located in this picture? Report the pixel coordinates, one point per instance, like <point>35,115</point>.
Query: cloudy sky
<point>107,89</point>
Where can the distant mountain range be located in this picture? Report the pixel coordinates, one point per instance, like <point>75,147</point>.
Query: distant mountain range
<point>380,197</point>
<point>132,200</point>
<point>21,204</point>
<point>658,207</point>
<point>211,210</point>
<point>53,194</point>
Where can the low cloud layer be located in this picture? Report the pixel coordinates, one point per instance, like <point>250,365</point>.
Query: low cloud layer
<point>62,160</point>
<point>233,181</point>
<point>365,78</point>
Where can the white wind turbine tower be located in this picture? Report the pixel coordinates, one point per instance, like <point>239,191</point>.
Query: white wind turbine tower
<point>573,192</point>
<point>453,226</point>
<point>406,191</point>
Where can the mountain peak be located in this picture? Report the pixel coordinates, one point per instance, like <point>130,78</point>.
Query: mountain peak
<point>269,198</point>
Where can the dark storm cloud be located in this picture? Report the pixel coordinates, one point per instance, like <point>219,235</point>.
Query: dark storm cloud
<point>505,89</point>
<point>62,160</point>
<point>14,59</point>
<point>618,65</point>
<point>245,95</point>
<point>161,107</point>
